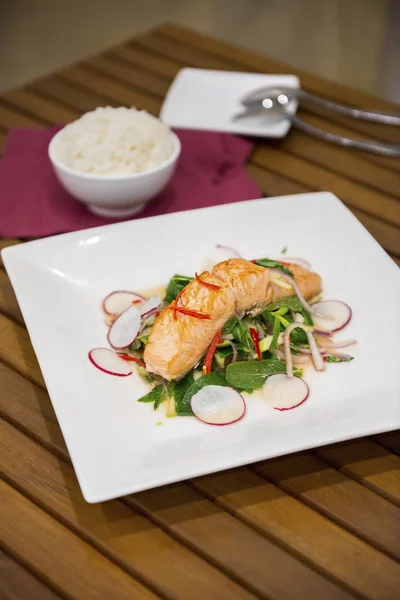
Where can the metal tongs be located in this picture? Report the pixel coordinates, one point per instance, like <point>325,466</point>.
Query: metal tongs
<point>280,103</point>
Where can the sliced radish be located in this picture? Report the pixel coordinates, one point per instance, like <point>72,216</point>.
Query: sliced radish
<point>330,315</point>
<point>125,328</point>
<point>149,305</point>
<point>284,393</point>
<point>109,362</point>
<point>217,405</point>
<point>117,302</point>
<point>328,343</point>
<point>232,251</point>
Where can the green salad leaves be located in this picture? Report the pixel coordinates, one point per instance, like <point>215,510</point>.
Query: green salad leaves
<point>246,373</point>
<point>269,263</point>
<point>175,286</point>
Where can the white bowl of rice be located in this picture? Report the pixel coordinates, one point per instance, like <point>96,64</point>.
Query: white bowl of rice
<point>115,160</point>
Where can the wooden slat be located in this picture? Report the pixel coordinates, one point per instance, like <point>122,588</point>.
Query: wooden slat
<point>123,535</point>
<point>180,510</point>
<point>16,350</point>
<point>181,53</point>
<point>274,184</point>
<point>8,302</point>
<point>63,92</point>
<point>307,173</point>
<point>4,243</point>
<point>387,235</point>
<point>137,77</point>
<point>242,59</point>
<point>346,162</point>
<point>396,260</point>
<point>16,583</point>
<point>284,519</point>
<point>341,499</point>
<point>211,531</point>
<point>368,463</point>
<point>338,91</point>
<point>31,410</point>
<point>390,441</point>
<point>134,54</point>
<point>110,88</point>
<point>11,117</point>
<point>40,107</point>
<point>68,563</point>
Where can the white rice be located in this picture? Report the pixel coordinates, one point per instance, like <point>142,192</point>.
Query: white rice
<point>114,141</point>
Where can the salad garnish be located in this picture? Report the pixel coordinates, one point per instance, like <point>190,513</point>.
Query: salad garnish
<point>263,348</point>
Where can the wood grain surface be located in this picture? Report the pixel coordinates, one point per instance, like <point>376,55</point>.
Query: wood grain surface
<point>319,524</point>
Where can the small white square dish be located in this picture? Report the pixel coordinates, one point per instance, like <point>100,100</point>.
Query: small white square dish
<point>208,99</point>
<point>116,444</point>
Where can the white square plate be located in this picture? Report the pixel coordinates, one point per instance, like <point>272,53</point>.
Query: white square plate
<point>207,99</point>
<point>114,442</point>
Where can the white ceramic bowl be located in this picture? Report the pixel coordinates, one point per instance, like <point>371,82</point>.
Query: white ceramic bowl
<point>115,196</point>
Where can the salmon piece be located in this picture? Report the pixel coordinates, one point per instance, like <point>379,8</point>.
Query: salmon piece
<point>178,341</point>
<point>176,345</point>
<point>308,282</point>
<point>248,281</point>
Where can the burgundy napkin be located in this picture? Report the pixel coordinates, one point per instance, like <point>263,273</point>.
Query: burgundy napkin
<point>33,203</point>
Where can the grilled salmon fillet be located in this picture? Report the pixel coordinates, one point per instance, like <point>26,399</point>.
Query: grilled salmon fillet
<point>178,341</point>
<point>248,281</point>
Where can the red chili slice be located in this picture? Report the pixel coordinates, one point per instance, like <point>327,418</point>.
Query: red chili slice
<point>207,364</point>
<point>190,312</point>
<point>179,295</point>
<point>129,358</point>
<point>256,342</point>
<point>176,301</point>
<point>212,286</point>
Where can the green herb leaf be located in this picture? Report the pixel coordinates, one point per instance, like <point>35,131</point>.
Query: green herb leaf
<point>307,317</point>
<point>275,333</point>
<point>135,346</point>
<point>284,250</point>
<point>143,339</point>
<point>252,374</point>
<point>145,374</point>
<point>175,286</point>
<point>230,326</point>
<point>209,379</point>
<point>242,335</point>
<point>181,388</point>
<point>161,397</point>
<point>337,359</point>
<point>290,302</point>
<point>269,263</point>
<point>155,395</point>
<point>224,352</point>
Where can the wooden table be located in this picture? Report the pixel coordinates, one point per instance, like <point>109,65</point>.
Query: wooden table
<point>320,524</point>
